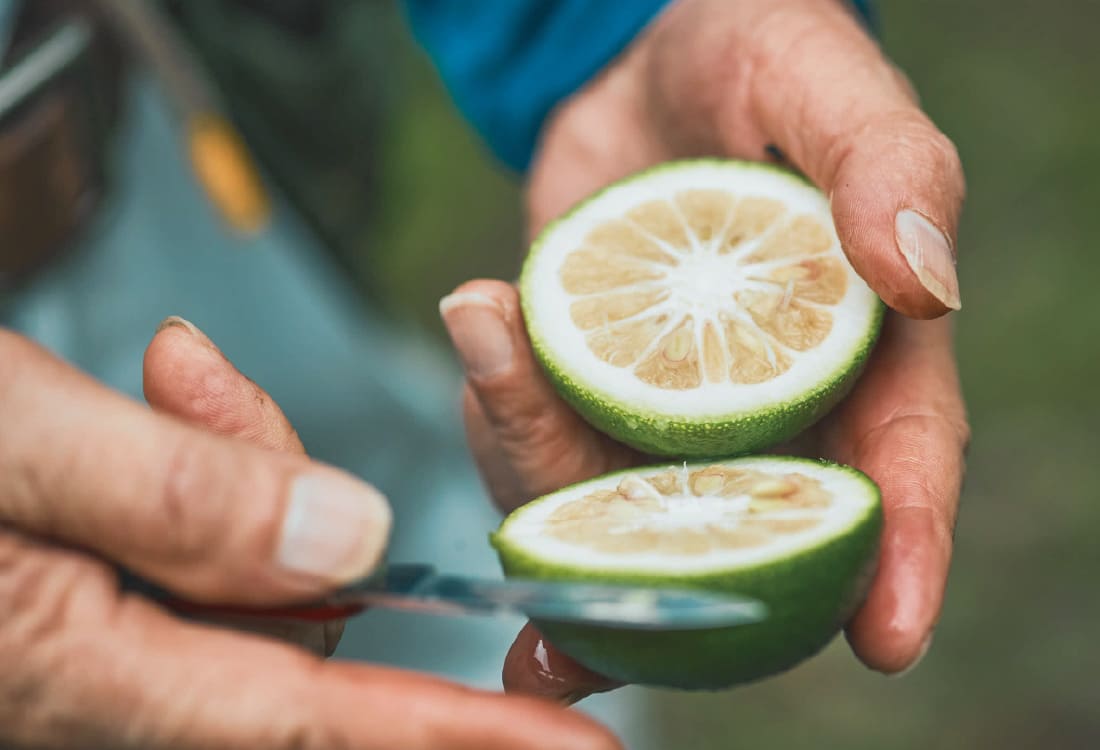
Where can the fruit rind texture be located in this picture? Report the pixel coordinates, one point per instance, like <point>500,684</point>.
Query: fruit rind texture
<point>729,434</point>
<point>810,595</point>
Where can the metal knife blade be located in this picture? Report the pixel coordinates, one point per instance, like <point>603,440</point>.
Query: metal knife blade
<point>420,587</point>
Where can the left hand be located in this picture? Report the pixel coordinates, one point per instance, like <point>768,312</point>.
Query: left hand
<point>734,77</point>
<point>90,481</point>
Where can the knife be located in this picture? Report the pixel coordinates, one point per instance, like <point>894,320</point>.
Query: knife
<point>421,588</point>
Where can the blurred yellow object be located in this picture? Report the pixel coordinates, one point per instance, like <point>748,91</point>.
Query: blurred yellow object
<point>224,167</point>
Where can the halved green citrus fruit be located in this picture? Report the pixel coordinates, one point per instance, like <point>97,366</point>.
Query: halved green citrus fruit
<point>800,535</point>
<point>701,308</point>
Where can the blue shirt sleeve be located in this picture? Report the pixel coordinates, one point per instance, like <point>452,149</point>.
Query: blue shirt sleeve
<point>507,63</point>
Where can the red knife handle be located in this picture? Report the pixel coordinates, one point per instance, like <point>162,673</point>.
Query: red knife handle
<point>323,613</point>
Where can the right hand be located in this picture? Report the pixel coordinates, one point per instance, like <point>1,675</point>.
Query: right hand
<point>90,480</point>
<point>749,80</point>
<point>904,425</point>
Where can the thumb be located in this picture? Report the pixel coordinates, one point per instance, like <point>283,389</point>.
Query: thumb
<point>803,77</point>
<point>212,518</point>
<point>840,112</point>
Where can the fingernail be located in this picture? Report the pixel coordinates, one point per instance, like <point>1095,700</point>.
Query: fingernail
<point>928,252</point>
<point>335,527</point>
<point>927,644</point>
<point>175,321</point>
<point>476,325</point>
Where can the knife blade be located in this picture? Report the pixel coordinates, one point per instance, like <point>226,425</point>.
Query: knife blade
<point>421,588</point>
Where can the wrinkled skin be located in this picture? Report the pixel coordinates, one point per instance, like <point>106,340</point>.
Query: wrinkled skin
<point>749,79</point>
<point>188,495</point>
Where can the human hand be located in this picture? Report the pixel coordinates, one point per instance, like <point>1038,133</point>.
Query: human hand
<point>186,376</point>
<point>735,78</point>
<point>90,480</point>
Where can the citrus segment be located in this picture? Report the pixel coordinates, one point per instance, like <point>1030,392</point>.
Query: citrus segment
<point>594,312</point>
<point>593,270</point>
<point>753,217</point>
<point>661,221</point>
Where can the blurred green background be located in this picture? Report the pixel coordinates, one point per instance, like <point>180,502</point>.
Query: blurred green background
<point>1016,84</point>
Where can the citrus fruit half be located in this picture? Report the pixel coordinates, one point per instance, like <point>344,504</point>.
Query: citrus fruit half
<point>799,535</point>
<point>700,308</point>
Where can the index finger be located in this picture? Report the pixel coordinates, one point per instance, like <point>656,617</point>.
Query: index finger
<point>209,517</point>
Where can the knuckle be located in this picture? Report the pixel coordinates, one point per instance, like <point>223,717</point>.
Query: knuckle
<point>40,594</point>
<point>945,428</point>
<point>945,155</point>
<point>530,426</point>
<point>942,515</point>
<point>933,427</point>
<point>961,427</point>
<point>40,589</point>
<point>902,136</point>
<point>927,485</point>
<point>786,34</point>
<point>26,491</point>
<point>297,724</point>
<point>203,510</point>
<point>547,455</point>
<point>303,733</point>
<point>30,592</point>
<point>196,710</point>
<point>945,149</point>
<point>541,434</point>
<point>187,503</point>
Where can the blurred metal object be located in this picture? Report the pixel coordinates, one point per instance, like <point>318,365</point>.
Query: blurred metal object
<point>218,155</point>
<point>55,113</point>
<point>419,588</point>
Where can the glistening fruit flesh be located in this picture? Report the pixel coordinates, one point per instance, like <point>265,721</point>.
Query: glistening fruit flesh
<point>798,534</point>
<point>700,308</point>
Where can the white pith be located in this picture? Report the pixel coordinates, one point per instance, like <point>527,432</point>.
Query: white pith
<point>702,285</point>
<point>852,500</point>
